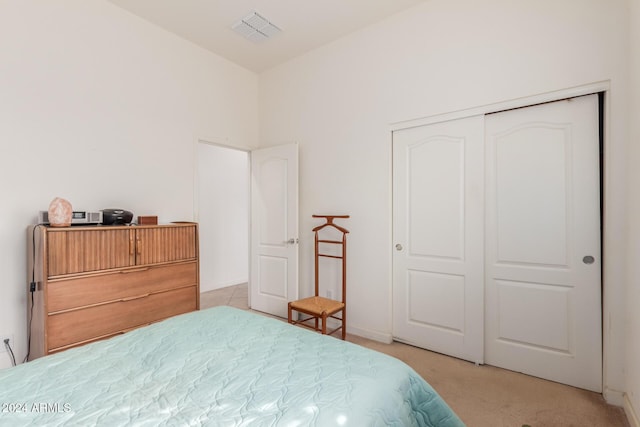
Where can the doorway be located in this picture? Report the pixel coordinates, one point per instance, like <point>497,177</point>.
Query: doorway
<point>246,203</point>
<point>222,188</point>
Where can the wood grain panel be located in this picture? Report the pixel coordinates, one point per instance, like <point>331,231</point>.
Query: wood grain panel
<point>87,323</point>
<point>165,244</point>
<point>84,250</point>
<point>95,339</point>
<point>89,290</point>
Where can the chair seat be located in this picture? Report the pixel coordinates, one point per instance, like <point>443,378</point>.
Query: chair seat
<point>317,305</point>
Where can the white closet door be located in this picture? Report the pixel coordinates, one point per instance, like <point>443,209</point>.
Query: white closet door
<point>438,224</point>
<point>543,295</point>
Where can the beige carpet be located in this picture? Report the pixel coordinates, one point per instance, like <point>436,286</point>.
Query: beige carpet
<point>483,396</point>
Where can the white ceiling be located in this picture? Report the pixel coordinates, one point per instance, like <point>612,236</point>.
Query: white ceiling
<point>305,24</point>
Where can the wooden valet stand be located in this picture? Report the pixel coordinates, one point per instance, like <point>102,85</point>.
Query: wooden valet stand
<point>318,308</point>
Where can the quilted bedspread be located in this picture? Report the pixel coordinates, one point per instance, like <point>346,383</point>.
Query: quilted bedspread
<point>219,367</point>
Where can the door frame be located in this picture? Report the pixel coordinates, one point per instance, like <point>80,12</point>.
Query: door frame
<point>609,350</point>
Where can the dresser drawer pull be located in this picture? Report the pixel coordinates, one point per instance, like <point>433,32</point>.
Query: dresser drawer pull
<point>135,270</point>
<point>136,297</point>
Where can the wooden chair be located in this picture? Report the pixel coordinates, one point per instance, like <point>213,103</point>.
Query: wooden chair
<point>319,308</point>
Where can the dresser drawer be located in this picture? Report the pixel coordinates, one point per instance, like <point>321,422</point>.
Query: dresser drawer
<point>77,292</point>
<point>67,328</point>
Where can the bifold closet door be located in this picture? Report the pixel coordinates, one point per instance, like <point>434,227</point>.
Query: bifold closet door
<point>543,290</point>
<point>438,227</point>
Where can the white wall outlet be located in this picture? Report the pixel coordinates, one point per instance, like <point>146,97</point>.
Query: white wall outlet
<point>329,294</point>
<point>3,347</point>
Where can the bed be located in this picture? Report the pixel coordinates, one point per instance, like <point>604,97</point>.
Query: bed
<point>220,367</point>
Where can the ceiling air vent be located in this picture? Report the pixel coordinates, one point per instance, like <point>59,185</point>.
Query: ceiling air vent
<point>256,28</point>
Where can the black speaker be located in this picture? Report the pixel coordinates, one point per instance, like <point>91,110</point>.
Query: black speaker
<point>116,217</point>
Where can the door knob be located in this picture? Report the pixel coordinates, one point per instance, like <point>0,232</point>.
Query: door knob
<point>588,259</point>
<point>291,241</point>
<point>398,247</point>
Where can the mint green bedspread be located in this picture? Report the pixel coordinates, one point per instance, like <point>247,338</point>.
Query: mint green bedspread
<point>219,367</point>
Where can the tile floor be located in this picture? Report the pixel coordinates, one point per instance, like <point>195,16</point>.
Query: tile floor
<point>234,296</point>
<point>483,396</point>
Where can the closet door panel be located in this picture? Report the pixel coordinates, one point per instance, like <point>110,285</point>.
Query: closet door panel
<point>438,237</point>
<point>543,290</point>
<point>436,178</point>
<point>531,187</point>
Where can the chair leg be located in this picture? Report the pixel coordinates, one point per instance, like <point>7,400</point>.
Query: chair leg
<point>289,317</point>
<point>344,324</point>
<point>324,323</point>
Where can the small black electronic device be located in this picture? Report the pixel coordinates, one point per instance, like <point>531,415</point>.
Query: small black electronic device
<point>116,217</point>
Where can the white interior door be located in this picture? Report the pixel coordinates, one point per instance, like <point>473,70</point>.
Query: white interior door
<point>273,277</point>
<point>543,295</point>
<point>438,226</point>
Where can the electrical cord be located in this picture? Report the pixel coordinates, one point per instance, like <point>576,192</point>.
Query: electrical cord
<point>13,356</point>
<point>29,329</point>
<point>32,290</point>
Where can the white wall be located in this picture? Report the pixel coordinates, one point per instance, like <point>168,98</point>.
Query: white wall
<point>338,102</point>
<point>223,216</point>
<point>632,403</point>
<point>102,108</point>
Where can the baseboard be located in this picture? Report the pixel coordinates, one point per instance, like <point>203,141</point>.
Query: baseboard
<point>355,330</point>
<point>613,397</point>
<point>372,335</point>
<point>632,415</point>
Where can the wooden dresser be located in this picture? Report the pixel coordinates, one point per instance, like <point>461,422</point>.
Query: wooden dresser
<point>95,282</point>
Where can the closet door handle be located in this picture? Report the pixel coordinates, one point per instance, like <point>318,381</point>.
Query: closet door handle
<point>398,247</point>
